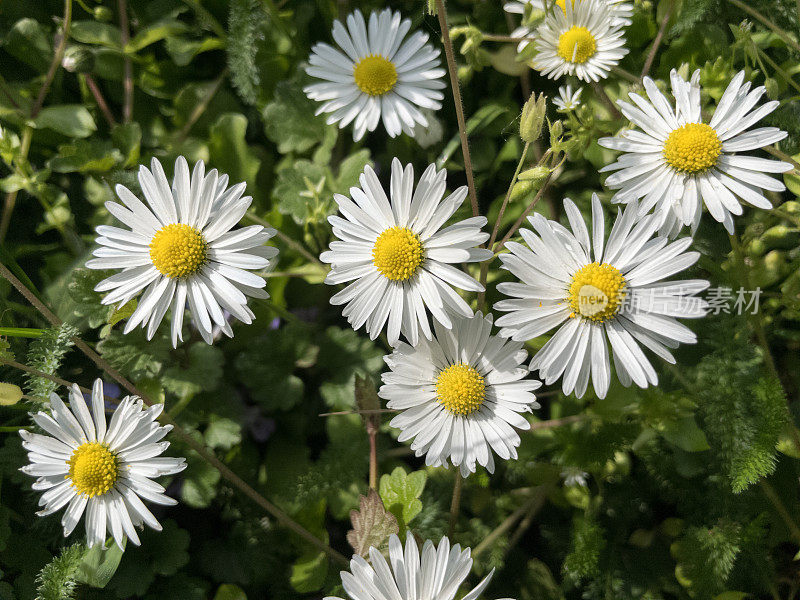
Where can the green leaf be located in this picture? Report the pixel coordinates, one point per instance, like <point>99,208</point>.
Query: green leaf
<point>98,565</point>
<point>223,433</point>
<point>153,33</point>
<point>372,525</point>
<point>200,483</point>
<point>96,33</point>
<point>123,312</point>
<point>28,42</point>
<point>72,120</point>
<point>482,118</point>
<point>201,372</point>
<point>229,151</point>
<point>400,492</point>
<point>685,434</point>
<point>228,591</point>
<point>309,571</point>
<point>290,120</point>
<point>85,156</point>
<point>128,139</point>
<point>183,50</point>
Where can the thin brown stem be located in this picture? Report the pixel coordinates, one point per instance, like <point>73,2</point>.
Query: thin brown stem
<point>759,328</point>
<point>127,64</point>
<point>377,411</point>
<point>202,106</point>
<point>373,458</point>
<point>601,93</point>
<point>54,379</point>
<point>662,29</point>
<point>783,34</point>
<point>493,37</point>
<point>99,99</point>
<point>553,423</point>
<point>11,198</point>
<point>781,509</point>
<point>455,502</point>
<point>462,125</point>
<point>178,431</point>
<point>294,245</point>
<point>55,64</point>
<point>508,522</point>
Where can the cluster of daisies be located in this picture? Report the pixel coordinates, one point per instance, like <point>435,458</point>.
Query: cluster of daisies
<point>607,294</point>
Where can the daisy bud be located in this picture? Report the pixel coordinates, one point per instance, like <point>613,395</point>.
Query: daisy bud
<point>77,60</point>
<point>530,124</point>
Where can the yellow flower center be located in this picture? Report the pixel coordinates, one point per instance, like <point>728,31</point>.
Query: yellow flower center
<point>693,148</point>
<point>375,75</point>
<point>596,292</point>
<point>178,250</point>
<point>576,45</point>
<point>460,389</point>
<point>93,469</point>
<point>398,253</point>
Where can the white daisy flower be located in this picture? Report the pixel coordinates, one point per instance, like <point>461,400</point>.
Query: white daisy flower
<point>461,394</point>
<point>376,74</point>
<point>584,41</point>
<point>574,476</point>
<point>677,162</point>
<point>622,10</point>
<point>182,248</point>
<point>103,471</point>
<point>592,290</point>
<point>435,574</point>
<point>567,99</point>
<point>398,257</point>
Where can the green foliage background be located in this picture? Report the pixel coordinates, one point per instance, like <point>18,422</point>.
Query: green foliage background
<point>692,488</point>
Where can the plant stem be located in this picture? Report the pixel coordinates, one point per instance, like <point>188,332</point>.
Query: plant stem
<point>455,502</point>
<point>552,423</point>
<point>601,93</point>
<point>25,145</point>
<point>462,126</point>
<point>778,153</point>
<point>493,237</point>
<point>659,38</point>
<point>528,210</point>
<point>783,34</point>
<point>758,324</point>
<point>760,330</point>
<point>294,245</point>
<point>202,106</point>
<point>786,77</point>
<point>181,433</point>
<point>537,498</point>
<point>98,97</point>
<point>776,501</point>
<point>377,411</point>
<point>127,84</point>
<point>372,433</point>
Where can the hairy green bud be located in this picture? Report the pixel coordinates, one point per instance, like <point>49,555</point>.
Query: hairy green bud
<point>530,124</point>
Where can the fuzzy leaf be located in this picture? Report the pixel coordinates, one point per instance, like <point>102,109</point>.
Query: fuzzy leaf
<point>372,524</point>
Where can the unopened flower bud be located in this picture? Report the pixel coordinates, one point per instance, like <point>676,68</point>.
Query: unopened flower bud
<point>77,60</point>
<point>103,14</point>
<point>530,124</point>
